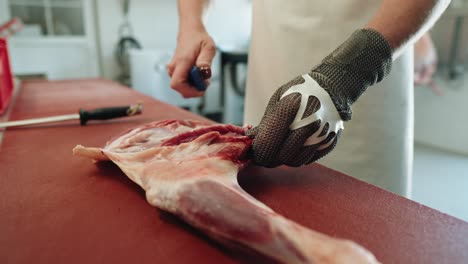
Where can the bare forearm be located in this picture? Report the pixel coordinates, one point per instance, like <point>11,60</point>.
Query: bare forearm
<point>402,22</point>
<point>190,13</point>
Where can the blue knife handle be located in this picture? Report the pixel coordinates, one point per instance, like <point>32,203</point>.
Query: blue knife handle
<point>196,79</point>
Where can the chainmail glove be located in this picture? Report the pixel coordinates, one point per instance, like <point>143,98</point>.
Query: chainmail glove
<point>304,117</point>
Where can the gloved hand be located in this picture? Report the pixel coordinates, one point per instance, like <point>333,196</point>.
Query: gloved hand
<point>304,117</point>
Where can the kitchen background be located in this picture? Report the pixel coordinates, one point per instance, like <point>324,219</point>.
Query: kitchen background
<point>132,41</point>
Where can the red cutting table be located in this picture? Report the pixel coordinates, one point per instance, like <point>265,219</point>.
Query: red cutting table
<point>57,208</point>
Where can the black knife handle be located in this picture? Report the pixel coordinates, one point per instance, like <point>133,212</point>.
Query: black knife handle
<point>108,113</point>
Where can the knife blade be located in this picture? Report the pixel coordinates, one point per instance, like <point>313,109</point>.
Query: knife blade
<point>83,115</point>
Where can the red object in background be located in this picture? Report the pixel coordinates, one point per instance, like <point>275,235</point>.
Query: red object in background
<point>6,78</point>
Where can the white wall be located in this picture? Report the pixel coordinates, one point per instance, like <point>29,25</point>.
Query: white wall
<point>154,23</point>
<point>229,23</point>
<point>57,57</point>
<point>4,11</point>
<point>443,32</point>
<point>441,121</point>
<point>69,58</point>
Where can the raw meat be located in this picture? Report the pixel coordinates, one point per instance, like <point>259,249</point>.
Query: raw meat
<point>190,168</point>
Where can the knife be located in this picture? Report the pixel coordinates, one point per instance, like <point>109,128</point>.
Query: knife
<point>83,115</point>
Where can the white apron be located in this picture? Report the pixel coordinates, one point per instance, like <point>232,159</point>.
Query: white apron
<point>289,38</point>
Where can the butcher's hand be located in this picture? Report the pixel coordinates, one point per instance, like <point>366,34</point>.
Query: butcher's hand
<point>304,117</point>
<point>194,48</point>
<point>425,60</point>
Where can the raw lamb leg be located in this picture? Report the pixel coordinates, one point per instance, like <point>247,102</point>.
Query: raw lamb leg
<point>190,169</point>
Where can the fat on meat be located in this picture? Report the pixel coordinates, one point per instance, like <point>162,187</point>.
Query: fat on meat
<point>189,168</point>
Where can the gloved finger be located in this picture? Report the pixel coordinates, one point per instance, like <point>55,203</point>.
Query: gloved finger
<point>273,130</point>
<point>276,97</point>
<point>296,138</point>
<point>303,156</point>
<point>320,153</point>
<point>300,154</point>
<point>304,153</point>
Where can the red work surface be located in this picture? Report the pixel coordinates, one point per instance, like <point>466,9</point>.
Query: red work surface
<point>57,208</point>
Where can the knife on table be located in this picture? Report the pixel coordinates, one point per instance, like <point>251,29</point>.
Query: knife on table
<point>83,115</point>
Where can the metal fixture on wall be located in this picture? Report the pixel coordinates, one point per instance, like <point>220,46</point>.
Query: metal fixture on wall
<point>126,42</point>
<point>232,60</point>
<point>455,70</point>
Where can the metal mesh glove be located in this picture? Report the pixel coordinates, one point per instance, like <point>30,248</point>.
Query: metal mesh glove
<point>304,117</point>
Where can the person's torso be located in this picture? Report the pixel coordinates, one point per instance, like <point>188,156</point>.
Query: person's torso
<point>290,37</point>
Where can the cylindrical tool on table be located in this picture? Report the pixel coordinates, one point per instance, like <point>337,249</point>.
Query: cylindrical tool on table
<point>84,116</point>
